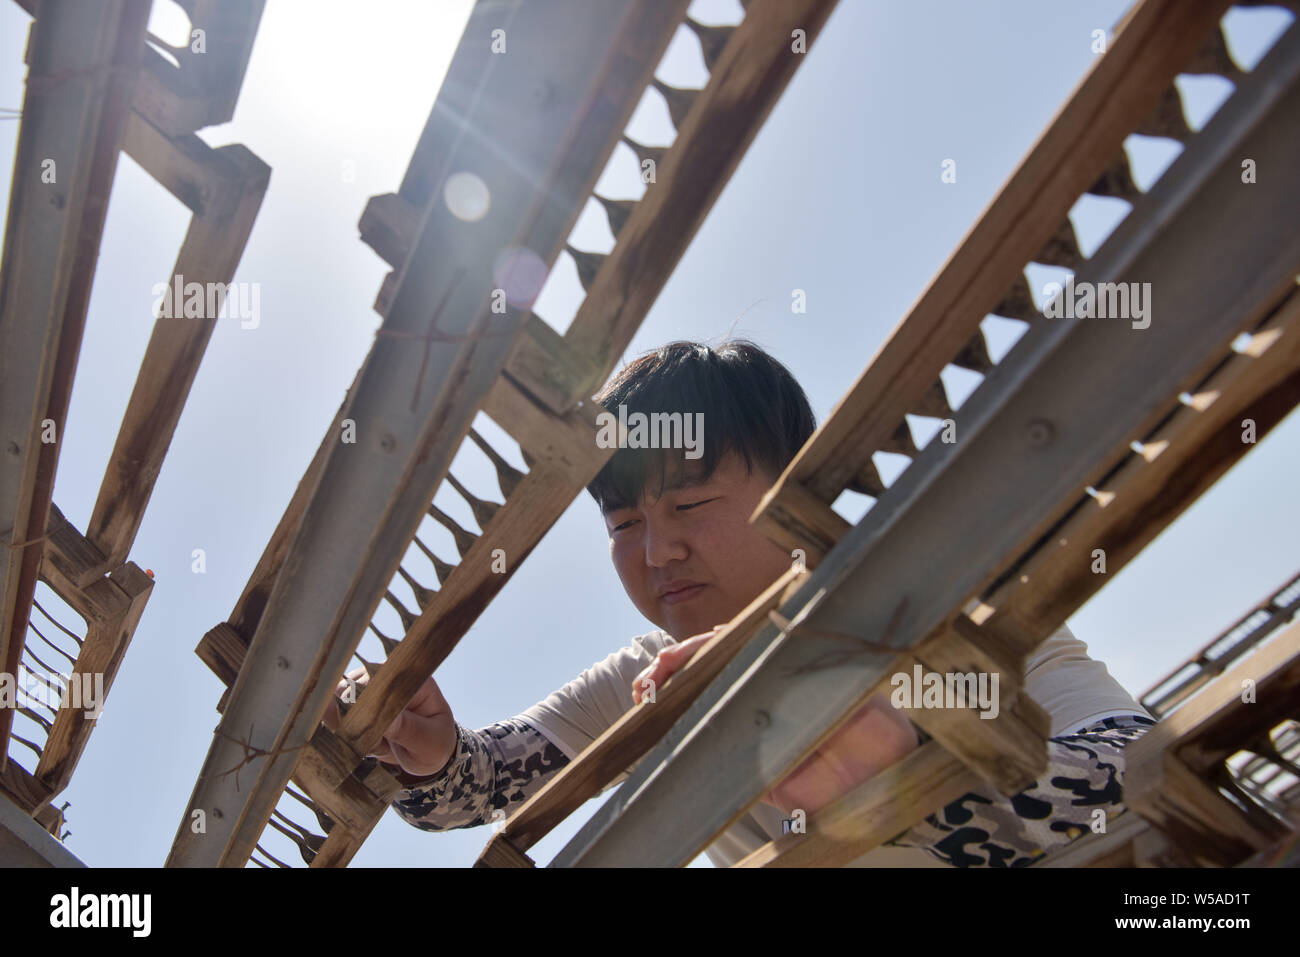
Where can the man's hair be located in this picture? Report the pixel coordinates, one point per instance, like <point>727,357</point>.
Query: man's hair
<point>751,405</point>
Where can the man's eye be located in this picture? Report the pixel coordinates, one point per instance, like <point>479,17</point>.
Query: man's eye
<point>630,521</point>
<point>694,504</point>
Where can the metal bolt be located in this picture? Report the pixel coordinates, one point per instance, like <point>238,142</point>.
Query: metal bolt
<point>216,812</point>
<point>1039,432</point>
<point>282,663</point>
<point>762,719</point>
<point>12,448</point>
<point>387,442</point>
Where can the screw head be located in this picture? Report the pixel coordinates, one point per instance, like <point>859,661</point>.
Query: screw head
<point>282,663</point>
<point>762,719</point>
<point>387,442</point>
<point>1039,432</point>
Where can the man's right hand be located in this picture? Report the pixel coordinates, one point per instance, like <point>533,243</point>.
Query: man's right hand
<point>421,739</point>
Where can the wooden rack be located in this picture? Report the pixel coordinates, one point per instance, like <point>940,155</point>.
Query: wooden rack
<point>95,88</point>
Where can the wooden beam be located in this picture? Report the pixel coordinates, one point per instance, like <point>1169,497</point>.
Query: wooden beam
<point>226,185</point>
<point>83,63</point>
<point>1183,456</point>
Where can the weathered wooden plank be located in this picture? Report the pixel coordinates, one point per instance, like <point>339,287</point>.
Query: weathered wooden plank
<point>1155,40</point>
<point>1193,814</point>
<point>231,190</point>
<point>414,406</point>
<point>1188,453</point>
<point>27,792</point>
<point>82,71</point>
<point>1272,669</point>
<point>203,89</point>
<point>860,821</point>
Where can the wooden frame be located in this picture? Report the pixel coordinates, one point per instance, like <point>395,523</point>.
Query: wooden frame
<point>83,105</point>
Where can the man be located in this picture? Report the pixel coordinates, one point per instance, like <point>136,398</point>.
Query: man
<point>688,558</point>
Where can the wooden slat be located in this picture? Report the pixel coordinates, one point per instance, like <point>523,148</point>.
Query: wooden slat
<point>82,71</point>
<point>23,789</point>
<point>229,183</point>
<point>1273,668</point>
<point>1155,40</point>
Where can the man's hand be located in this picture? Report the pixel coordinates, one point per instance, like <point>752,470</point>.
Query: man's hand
<point>666,662</point>
<point>875,737</point>
<point>421,738</point>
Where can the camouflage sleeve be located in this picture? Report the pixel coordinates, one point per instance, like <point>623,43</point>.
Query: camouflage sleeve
<point>493,768</point>
<point>985,829</point>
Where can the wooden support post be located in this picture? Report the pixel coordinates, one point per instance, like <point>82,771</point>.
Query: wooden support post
<point>83,63</point>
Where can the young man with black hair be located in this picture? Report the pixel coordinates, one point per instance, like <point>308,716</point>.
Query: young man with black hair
<point>684,550</point>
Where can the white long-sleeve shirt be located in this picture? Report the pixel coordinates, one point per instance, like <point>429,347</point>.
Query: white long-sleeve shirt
<point>495,769</point>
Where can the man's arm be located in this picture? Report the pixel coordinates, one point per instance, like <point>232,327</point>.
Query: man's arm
<point>1084,774</point>
<point>490,770</point>
<point>497,768</point>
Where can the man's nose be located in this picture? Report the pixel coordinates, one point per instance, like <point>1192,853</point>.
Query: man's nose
<point>663,544</point>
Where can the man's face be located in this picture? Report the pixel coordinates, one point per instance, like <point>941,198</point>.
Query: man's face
<point>689,559</point>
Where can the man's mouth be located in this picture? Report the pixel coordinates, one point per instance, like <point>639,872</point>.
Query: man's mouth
<point>675,593</point>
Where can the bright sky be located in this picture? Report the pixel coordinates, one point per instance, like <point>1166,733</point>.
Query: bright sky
<point>840,195</point>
